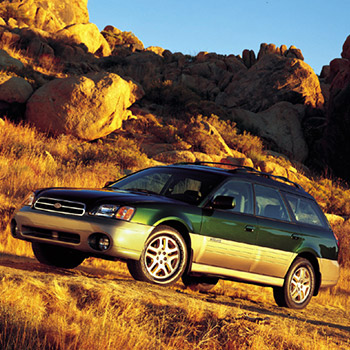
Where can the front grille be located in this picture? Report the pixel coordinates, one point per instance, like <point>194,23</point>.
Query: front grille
<point>50,234</point>
<point>60,206</point>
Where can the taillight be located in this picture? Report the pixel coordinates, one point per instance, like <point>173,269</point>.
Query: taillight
<point>336,238</point>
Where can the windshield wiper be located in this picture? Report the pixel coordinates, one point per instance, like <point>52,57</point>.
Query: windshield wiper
<point>142,190</point>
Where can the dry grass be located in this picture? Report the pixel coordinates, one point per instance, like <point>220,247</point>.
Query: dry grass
<point>98,306</point>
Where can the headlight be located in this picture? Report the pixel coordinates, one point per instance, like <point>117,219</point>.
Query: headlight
<point>114,211</point>
<point>29,199</point>
<point>108,210</point>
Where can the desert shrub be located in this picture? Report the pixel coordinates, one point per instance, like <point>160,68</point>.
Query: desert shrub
<point>119,38</point>
<point>198,134</point>
<point>119,151</point>
<point>142,124</point>
<point>343,233</point>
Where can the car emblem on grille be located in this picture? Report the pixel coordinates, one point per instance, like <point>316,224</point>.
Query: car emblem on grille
<point>58,205</point>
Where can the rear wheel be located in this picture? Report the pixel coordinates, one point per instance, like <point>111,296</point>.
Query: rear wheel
<point>299,285</point>
<point>163,259</point>
<point>199,283</point>
<point>57,256</point>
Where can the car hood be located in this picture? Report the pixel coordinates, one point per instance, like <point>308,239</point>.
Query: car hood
<point>94,197</point>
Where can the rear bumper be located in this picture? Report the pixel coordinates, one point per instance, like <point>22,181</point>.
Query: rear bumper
<point>329,270</point>
<point>127,238</point>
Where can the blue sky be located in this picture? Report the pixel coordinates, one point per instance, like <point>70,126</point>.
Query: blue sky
<point>318,27</point>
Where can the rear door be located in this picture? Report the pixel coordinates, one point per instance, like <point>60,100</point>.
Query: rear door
<point>279,237</point>
<point>229,235</point>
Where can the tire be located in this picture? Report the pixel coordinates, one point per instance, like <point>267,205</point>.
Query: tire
<point>202,283</point>
<point>57,256</point>
<point>163,259</point>
<point>299,285</point>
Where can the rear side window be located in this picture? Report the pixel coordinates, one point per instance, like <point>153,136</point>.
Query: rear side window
<point>305,210</point>
<point>269,203</point>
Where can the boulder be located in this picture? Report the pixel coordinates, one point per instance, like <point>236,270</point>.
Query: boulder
<point>293,52</point>
<point>175,157</point>
<point>156,49</point>
<point>88,107</point>
<point>202,157</point>
<point>273,79</point>
<point>280,124</point>
<point>48,15</point>
<point>249,58</point>
<point>240,161</point>
<point>346,48</point>
<point>339,74</point>
<point>6,61</point>
<point>14,89</point>
<point>87,34</point>
<point>267,49</point>
<point>335,220</point>
<point>271,167</point>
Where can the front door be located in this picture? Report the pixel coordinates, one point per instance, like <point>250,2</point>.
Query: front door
<point>229,235</point>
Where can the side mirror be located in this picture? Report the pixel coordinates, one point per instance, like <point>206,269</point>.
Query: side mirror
<point>108,183</point>
<point>223,202</point>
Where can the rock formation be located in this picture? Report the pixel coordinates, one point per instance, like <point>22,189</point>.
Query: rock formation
<point>273,79</point>
<point>275,93</point>
<point>281,124</point>
<point>50,16</point>
<point>336,141</point>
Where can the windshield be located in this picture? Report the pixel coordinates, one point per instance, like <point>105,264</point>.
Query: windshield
<point>190,186</point>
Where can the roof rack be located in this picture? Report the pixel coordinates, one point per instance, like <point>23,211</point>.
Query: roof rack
<point>246,169</point>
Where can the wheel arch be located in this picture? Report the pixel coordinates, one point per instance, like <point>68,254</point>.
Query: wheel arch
<point>185,233</point>
<point>180,227</point>
<point>313,260</point>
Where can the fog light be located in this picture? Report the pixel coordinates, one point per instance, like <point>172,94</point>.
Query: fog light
<point>14,228</point>
<point>103,243</point>
<point>99,241</point>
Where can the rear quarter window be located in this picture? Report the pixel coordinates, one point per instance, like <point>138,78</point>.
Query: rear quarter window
<point>305,210</point>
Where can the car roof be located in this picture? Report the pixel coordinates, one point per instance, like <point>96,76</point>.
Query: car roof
<point>244,172</point>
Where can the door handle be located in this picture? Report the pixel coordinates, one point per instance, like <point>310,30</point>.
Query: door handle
<point>249,228</point>
<point>294,236</point>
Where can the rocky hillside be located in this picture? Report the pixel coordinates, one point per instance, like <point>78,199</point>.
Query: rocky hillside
<point>61,74</point>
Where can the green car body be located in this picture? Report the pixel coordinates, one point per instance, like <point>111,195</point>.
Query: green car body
<point>193,221</point>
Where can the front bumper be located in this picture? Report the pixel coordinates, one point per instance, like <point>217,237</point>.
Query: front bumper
<point>127,238</point>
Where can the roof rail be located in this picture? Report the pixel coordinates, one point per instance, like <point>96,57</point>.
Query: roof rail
<point>247,169</point>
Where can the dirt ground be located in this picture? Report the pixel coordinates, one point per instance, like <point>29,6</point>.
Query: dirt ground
<point>243,301</point>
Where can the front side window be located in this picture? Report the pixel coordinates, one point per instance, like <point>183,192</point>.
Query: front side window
<point>242,193</point>
<point>305,210</point>
<point>269,203</point>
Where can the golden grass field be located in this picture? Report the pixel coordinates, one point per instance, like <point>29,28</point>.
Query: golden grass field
<point>99,306</point>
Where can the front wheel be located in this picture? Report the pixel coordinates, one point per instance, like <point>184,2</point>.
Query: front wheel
<point>163,259</point>
<point>299,285</point>
<point>57,256</point>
